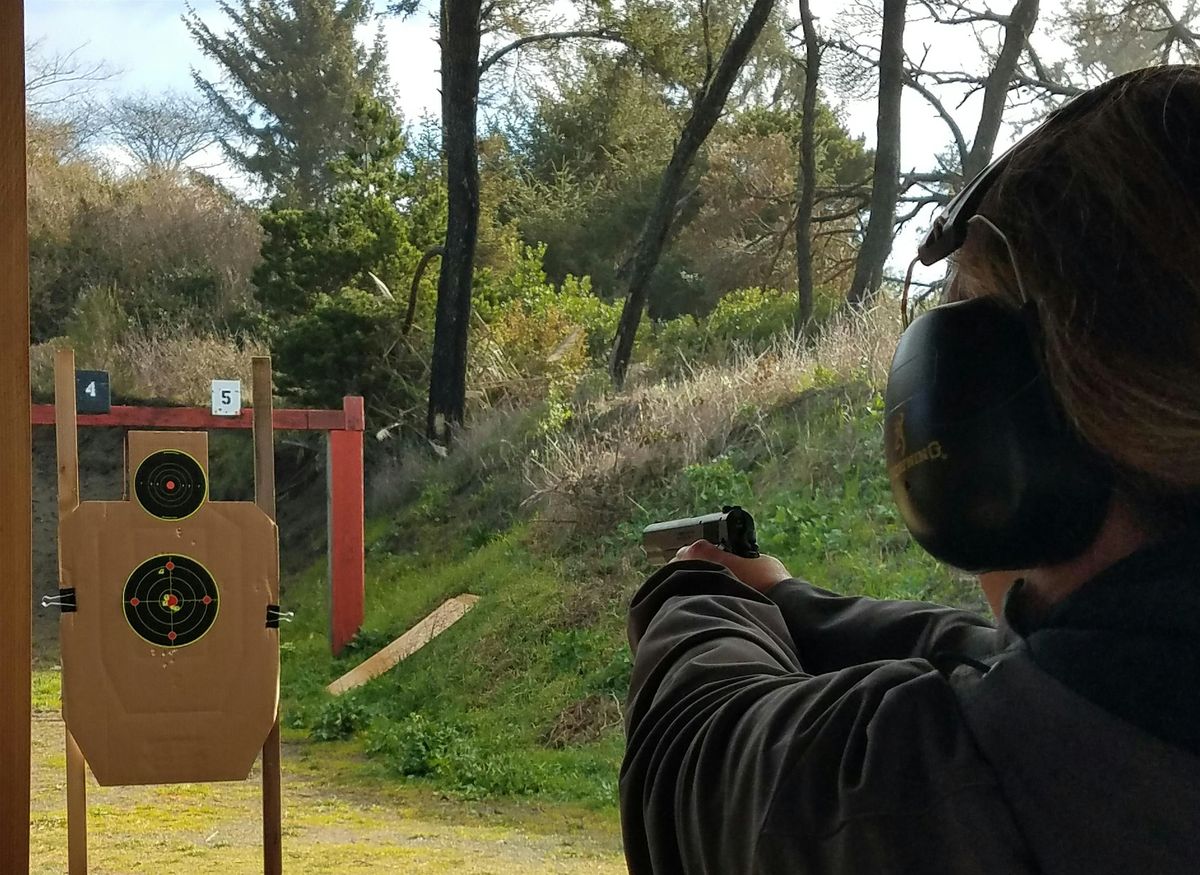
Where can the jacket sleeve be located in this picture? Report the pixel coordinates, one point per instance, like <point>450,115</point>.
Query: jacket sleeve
<point>740,761</point>
<point>834,631</point>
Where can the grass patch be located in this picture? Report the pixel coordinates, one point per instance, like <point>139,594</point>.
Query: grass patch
<point>469,711</point>
<point>47,690</point>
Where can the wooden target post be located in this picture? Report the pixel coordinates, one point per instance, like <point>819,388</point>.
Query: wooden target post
<point>170,616</point>
<point>16,533</point>
<point>264,497</point>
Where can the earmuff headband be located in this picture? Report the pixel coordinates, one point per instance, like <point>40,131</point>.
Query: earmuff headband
<point>949,230</point>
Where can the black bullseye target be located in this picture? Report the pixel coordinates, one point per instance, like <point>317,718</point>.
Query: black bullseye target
<point>170,601</point>
<point>170,485</point>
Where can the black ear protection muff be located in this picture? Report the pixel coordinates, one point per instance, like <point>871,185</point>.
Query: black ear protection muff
<point>987,471</point>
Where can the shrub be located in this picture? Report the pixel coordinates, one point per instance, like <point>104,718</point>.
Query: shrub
<point>752,316</point>
<point>537,338</point>
<point>714,484</point>
<point>417,746</point>
<point>340,718</point>
<point>746,319</point>
<point>176,249</point>
<point>349,344</point>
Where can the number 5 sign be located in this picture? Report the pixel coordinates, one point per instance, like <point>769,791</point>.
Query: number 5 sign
<point>226,397</point>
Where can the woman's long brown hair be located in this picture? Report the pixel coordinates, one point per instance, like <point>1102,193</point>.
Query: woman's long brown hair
<point>1103,214</point>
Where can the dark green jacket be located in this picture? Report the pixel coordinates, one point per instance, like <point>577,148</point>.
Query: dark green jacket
<point>806,732</point>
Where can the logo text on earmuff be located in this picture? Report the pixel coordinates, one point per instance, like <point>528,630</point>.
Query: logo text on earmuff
<point>931,451</point>
<point>898,442</point>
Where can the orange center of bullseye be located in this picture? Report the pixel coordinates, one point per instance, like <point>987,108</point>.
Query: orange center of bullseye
<point>170,486</point>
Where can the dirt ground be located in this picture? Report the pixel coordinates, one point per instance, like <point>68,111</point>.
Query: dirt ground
<point>335,821</point>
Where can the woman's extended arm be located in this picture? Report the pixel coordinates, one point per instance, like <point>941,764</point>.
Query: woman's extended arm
<point>740,760</point>
<point>833,631</point>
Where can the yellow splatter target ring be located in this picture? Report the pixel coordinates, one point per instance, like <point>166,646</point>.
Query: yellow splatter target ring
<point>170,601</point>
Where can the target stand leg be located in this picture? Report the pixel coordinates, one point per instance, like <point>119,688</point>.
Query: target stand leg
<point>76,808</point>
<point>264,496</point>
<point>272,806</point>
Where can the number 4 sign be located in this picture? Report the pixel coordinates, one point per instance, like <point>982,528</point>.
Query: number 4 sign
<point>226,397</point>
<point>92,392</point>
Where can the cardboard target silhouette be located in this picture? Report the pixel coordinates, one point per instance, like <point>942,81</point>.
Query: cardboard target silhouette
<point>169,632</point>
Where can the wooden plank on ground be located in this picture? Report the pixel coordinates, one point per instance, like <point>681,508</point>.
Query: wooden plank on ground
<point>449,613</point>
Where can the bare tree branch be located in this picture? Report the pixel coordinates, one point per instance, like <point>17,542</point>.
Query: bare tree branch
<point>54,79</point>
<point>960,142</point>
<point>1180,32</point>
<point>1024,80</point>
<point>839,216</point>
<point>963,15</point>
<point>409,317</point>
<point>161,132</point>
<point>558,36</point>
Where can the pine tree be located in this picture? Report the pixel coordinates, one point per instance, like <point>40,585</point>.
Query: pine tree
<point>292,72</point>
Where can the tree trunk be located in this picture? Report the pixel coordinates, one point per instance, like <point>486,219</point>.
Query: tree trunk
<point>460,35</point>
<point>710,101</point>
<point>1017,28</point>
<point>877,241</point>
<point>807,188</point>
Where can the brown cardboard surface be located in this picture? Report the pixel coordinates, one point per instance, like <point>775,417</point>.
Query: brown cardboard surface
<point>144,443</point>
<point>145,714</point>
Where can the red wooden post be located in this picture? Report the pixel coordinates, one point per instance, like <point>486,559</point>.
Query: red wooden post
<point>346,542</point>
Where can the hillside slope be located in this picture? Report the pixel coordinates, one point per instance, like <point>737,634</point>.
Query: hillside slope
<point>523,697</point>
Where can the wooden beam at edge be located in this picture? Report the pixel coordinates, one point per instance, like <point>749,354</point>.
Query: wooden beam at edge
<point>16,502</point>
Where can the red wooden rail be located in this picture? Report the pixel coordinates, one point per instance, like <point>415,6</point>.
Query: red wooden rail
<point>345,477</point>
<point>200,418</point>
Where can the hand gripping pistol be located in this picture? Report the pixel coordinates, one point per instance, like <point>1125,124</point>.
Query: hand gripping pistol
<point>732,530</point>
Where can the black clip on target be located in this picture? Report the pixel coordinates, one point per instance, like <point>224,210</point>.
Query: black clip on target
<point>64,600</point>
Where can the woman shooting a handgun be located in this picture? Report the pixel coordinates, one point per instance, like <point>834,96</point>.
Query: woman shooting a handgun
<point>1043,431</point>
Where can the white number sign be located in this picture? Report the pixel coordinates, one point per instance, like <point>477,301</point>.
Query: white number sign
<point>226,397</point>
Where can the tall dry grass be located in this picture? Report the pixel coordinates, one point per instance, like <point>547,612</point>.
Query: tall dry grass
<point>619,441</point>
<point>176,369</point>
